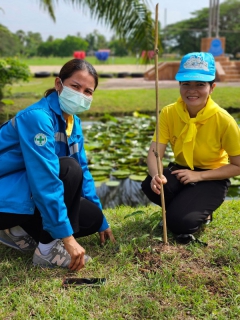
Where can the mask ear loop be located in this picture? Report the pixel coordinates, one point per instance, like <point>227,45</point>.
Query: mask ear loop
<point>62,86</point>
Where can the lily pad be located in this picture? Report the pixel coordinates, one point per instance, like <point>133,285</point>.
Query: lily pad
<point>112,183</point>
<point>121,173</point>
<point>98,184</point>
<point>92,146</point>
<point>235,182</point>
<point>100,178</point>
<point>98,173</point>
<point>137,177</point>
<point>97,167</point>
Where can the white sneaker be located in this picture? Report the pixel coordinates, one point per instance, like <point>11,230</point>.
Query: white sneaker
<point>57,257</point>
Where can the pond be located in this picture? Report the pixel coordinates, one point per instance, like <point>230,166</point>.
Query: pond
<point>117,150</point>
<point>129,192</point>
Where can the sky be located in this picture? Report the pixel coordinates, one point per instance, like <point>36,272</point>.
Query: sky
<point>27,15</point>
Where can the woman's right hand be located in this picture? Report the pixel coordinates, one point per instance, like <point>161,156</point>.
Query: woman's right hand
<point>156,183</point>
<point>76,252</point>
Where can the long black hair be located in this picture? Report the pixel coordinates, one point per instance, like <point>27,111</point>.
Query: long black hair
<point>72,66</point>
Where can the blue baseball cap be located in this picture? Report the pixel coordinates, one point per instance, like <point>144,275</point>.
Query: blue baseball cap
<point>197,66</point>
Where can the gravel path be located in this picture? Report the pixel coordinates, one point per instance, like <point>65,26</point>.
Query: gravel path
<point>127,83</point>
<point>104,68</point>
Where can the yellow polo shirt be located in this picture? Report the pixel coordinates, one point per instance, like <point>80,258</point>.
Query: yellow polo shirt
<point>215,138</point>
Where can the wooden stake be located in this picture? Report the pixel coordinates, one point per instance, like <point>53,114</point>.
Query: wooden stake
<point>157,153</point>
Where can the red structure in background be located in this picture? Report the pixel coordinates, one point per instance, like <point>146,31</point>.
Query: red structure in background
<point>79,54</point>
<point>149,54</point>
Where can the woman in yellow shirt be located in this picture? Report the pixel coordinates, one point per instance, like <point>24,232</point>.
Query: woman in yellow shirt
<point>205,140</point>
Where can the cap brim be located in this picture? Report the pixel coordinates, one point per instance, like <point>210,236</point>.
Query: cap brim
<point>194,77</point>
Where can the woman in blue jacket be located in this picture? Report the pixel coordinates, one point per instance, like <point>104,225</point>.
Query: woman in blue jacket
<point>48,197</point>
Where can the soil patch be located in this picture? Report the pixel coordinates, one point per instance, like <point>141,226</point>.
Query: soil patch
<point>186,270</point>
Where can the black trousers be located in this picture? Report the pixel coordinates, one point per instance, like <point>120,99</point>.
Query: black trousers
<point>85,217</point>
<point>187,206</point>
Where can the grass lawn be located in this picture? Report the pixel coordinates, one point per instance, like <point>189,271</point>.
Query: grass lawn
<point>57,61</point>
<point>173,282</point>
<point>118,102</point>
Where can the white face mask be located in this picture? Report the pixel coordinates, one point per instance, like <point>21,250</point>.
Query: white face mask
<point>73,102</point>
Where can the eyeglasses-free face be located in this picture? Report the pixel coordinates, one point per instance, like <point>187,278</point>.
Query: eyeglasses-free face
<point>195,94</point>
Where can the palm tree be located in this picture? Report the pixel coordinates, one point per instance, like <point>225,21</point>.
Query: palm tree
<point>130,19</point>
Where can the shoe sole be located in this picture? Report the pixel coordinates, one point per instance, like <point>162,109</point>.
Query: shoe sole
<point>13,246</point>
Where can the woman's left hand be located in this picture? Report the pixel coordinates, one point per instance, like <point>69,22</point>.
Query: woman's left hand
<point>186,176</point>
<point>105,235</point>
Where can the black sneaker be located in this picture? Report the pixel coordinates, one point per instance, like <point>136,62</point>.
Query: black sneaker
<point>188,238</point>
<point>185,238</point>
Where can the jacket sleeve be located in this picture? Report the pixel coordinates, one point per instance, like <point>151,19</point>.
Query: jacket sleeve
<point>36,136</point>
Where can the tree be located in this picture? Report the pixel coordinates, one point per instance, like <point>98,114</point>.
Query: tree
<point>21,35</point>
<point>92,41</point>
<point>47,48</point>
<point>12,70</point>
<point>9,44</point>
<point>62,48</point>
<point>230,24</point>
<point>55,47</point>
<point>50,38</point>
<point>71,44</point>
<point>118,47</point>
<point>185,36</point>
<point>101,42</point>
<point>29,42</point>
<point>130,19</point>
<point>33,40</point>
<point>96,41</point>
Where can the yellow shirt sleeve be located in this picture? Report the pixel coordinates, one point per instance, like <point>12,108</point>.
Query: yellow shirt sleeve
<point>231,138</point>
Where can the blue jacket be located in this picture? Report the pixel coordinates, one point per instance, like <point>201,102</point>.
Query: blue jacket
<point>30,145</point>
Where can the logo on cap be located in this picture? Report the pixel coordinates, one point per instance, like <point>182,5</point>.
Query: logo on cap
<point>196,63</point>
